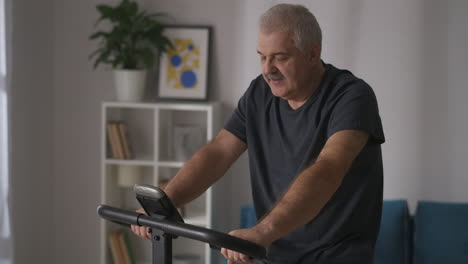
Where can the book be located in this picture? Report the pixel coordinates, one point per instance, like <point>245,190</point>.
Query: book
<point>123,248</point>
<point>129,250</point>
<point>113,141</point>
<point>115,131</point>
<point>124,136</point>
<point>116,251</point>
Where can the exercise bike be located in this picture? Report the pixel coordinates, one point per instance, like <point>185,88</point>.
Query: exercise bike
<point>166,224</point>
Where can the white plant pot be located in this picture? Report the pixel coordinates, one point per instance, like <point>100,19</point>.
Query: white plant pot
<point>130,85</point>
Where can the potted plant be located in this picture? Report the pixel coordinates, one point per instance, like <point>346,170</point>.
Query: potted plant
<point>130,46</point>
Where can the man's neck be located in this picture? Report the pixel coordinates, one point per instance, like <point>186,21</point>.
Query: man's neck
<point>317,76</point>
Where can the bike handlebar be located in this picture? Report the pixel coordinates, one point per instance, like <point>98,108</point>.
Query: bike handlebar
<point>216,239</point>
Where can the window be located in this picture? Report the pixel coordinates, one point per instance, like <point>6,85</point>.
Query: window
<point>5,228</point>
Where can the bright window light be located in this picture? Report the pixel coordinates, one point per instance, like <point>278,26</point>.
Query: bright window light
<point>4,179</point>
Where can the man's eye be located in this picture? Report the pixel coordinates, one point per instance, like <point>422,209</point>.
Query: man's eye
<point>281,58</point>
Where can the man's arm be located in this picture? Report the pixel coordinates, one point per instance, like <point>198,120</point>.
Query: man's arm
<point>204,168</point>
<point>308,194</point>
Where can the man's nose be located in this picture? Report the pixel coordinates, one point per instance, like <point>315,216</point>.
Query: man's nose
<point>269,67</point>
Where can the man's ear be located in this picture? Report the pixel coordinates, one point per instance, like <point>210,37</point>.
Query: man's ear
<point>314,54</point>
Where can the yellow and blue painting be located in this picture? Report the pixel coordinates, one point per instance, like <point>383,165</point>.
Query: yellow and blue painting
<point>184,64</point>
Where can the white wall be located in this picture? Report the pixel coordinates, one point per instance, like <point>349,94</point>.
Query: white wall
<point>413,53</point>
<point>31,97</point>
<point>78,92</point>
<point>456,89</point>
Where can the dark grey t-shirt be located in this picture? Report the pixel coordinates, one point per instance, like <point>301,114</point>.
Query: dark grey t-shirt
<point>282,142</point>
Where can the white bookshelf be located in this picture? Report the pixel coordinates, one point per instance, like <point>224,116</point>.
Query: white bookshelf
<point>151,127</point>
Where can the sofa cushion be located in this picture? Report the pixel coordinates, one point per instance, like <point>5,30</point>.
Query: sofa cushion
<point>441,233</point>
<point>394,241</point>
<point>248,218</point>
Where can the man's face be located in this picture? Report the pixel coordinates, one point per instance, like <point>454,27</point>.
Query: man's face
<point>284,67</point>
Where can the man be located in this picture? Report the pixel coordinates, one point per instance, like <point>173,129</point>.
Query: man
<point>313,133</point>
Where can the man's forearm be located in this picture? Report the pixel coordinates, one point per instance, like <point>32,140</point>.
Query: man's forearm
<point>308,194</point>
<point>199,173</point>
<point>315,186</point>
<point>205,167</point>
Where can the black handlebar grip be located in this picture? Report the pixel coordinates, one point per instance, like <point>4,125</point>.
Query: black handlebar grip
<point>117,215</point>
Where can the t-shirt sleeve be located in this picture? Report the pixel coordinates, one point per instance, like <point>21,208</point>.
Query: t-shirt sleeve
<point>356,109</point>
<point>236,124</point>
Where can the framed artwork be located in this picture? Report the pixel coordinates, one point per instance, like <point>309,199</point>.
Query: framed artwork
<point>183,69</point>
<point>187,139</point>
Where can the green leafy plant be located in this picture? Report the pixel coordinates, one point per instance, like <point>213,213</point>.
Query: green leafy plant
<point>134,37</point>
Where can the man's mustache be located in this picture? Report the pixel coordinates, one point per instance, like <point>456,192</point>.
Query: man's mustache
<point>275,76</point>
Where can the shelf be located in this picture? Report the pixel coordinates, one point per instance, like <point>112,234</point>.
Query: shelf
<point>187,107</point>
<point>153,129</point>
<point>202,106</point>
<point>129,162</point>
<point>171,164</point>
<point>129,105</point>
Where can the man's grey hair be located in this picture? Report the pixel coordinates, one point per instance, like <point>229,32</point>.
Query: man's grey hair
<point>295,19</point>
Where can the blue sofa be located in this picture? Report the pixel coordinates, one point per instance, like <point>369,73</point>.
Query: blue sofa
<point>436,234</point>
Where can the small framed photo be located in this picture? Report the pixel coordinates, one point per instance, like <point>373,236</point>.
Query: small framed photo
<point>183,70</point>
<point>187,139</point>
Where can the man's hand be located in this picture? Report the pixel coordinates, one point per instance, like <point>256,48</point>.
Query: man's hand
<point>141,231</point>
<point>253,235</point>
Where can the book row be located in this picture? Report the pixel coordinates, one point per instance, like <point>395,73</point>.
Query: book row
<point>118,140</point>
<point>120,248</point>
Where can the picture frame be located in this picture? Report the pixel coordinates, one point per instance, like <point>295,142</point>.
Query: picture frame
<point>183,71</point>
<point>187,139</point>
